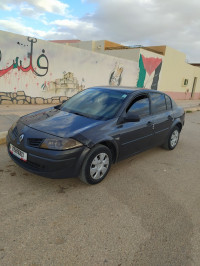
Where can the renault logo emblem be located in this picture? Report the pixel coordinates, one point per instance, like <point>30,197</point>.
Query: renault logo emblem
<point>21,137</point>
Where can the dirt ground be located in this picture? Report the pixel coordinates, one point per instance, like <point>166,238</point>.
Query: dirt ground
<point>146,211</point>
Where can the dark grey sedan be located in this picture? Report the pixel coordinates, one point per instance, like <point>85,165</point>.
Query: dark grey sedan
<point>93,129</point>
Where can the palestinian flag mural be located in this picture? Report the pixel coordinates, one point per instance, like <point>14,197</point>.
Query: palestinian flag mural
<point>150,68</point>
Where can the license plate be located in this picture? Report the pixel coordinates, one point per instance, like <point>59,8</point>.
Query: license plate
<point>18,153</point>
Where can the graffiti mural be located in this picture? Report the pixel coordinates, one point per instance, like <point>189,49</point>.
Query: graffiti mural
<point>18,64</point>
<point>116,75</point>
<point>33,70</point>
<point>68,85</point>
<point>147,67</point>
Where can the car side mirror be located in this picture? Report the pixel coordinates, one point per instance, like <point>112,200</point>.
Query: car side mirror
<point>131,117</point>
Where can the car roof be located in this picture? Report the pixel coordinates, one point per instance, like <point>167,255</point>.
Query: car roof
<point>125,89</point>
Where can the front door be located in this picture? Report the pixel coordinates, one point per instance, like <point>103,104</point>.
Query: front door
<point>136,136</point>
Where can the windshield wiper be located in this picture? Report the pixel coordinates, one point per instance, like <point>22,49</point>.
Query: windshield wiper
<point>57,107</point>
<point>76,113</point>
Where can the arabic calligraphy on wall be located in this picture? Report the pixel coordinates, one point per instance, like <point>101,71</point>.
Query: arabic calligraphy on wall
<point>149,71</point>
<point>42,62</point>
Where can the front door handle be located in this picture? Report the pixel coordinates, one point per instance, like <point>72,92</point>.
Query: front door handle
<point>170,117</point>
<point>150,124</point>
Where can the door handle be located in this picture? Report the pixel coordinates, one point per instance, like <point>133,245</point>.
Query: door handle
<point>149,123</point>
<point>170,117</point>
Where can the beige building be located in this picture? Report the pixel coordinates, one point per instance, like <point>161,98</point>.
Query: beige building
<point>160,67</point>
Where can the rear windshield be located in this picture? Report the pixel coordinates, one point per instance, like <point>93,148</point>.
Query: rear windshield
<point>98,103</point>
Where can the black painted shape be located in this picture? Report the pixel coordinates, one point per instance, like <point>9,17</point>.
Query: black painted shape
<point>154,85</point>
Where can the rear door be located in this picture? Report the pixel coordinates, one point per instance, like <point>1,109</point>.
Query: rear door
<point>162,116</point>
<point>136,136</point>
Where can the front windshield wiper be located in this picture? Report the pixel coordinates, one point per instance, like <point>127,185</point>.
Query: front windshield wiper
<point>76,113</point>
<point>57,107</point>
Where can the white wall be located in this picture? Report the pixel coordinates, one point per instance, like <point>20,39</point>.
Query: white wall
<point>81,68</point>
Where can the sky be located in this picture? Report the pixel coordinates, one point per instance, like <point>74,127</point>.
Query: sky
<point>175,23</point>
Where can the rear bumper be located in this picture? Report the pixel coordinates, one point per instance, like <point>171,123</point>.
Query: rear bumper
<point>52,164</point>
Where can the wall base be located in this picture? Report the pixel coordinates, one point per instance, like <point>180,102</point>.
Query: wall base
<point>20,97</point>
<point>183,95</point>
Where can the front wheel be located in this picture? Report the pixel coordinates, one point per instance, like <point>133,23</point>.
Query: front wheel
<point>96,165</point>
<point>173,139</point>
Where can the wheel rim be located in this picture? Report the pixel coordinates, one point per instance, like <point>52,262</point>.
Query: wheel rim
<point>99,166</point>
<point>174,138</point>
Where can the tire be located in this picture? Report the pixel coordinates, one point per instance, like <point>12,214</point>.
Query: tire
<point>96,165</point>
<point>173,139</point>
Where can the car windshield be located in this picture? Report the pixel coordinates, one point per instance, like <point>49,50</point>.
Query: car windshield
<point>98,103</point>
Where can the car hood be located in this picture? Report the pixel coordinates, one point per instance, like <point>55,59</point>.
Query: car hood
<point>59,123</point>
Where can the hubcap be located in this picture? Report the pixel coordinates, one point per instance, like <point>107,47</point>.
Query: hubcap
<point>174,138</point>
<point>99,166</point>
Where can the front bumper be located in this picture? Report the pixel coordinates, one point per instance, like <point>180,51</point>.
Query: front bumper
<point>49,163</point>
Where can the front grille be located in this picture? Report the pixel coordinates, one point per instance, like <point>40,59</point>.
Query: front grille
<point>15,132</point>
<point>35,142</point>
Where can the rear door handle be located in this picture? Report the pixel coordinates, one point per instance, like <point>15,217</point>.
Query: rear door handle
<point>149,123</point>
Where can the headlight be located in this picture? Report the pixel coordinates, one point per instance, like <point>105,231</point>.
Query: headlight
<point>56,144</point>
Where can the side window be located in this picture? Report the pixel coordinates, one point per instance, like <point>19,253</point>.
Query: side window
<point>140,106</point>
<point>168,102</point>
<point>158,103</point>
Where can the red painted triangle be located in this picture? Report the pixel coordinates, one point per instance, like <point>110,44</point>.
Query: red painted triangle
<point>151,63</point>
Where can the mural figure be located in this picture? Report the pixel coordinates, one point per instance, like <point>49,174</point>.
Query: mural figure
<point>68,85</point>
<point>148,65</point>
<point>116,76</point>
<point>18,64</point>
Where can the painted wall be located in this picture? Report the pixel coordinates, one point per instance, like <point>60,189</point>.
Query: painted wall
<point>36,71</point>
<point>159,72</point>
<point>150,66</point>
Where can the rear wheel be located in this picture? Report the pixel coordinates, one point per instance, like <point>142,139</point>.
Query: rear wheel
<point>96,165</point>
<point>173,139</point>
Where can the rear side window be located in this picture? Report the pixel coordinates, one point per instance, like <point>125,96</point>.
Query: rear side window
<point>140,106</point>
<point>168,102</point>
<point>158,103</point>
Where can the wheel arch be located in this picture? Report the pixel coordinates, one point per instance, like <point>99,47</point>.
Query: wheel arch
<point>179,125</point>
<point>177,122</point>
<point>112,147</point>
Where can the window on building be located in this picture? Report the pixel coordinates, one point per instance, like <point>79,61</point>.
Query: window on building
<point>185,82</point>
